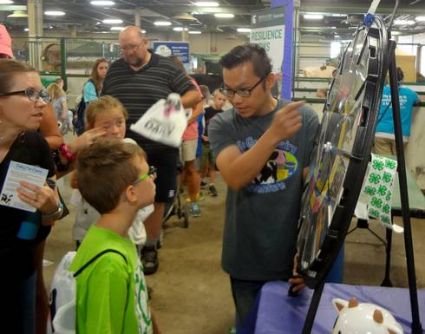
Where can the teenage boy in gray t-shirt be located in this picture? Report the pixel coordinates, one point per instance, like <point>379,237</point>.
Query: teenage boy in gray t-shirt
<point>262,148</point>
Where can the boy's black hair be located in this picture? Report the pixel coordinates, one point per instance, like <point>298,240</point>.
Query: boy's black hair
<point>245,53</point>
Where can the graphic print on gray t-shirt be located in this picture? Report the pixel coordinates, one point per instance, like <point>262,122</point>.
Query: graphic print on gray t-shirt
<point>281,165</point>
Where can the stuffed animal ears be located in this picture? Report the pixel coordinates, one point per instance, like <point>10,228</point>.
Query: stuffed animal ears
<point>378,317</point>
<point>339,304</point>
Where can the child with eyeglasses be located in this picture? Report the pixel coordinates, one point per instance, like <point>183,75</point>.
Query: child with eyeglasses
<point>114,177</point>
<point>108,114</point>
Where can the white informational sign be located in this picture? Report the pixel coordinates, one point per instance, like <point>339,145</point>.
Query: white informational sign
<point>272,40</point>
<point>20,172</point>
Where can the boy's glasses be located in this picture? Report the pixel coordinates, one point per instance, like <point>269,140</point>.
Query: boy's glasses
<point>151,172</point>
<point>230,93</point>
<point>32,94</point>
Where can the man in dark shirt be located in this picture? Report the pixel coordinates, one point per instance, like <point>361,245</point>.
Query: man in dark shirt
<point>139,79</point>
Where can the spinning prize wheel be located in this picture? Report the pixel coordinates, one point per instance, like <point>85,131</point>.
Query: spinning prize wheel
<point>342,154</point>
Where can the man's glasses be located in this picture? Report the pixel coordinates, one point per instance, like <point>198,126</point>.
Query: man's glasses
<point>150,173</point>
<point>32,94</point>
<point>241,92</point>
<point>130,47</point>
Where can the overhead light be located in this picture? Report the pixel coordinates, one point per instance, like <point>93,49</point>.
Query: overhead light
<point>195,32</point>
<point>180,29</point>
<point>117,28</point>
<point>243,30</point>
<point>209,10</point>
<point>184,17</point>
<point>143,31</point>
<point>224,15</point>
<point>54,13</point>
<point>420,19</point>
<point>112,21</point>
<point>26,29</point>
<point>162,23</point>
<point>313,16</point>
<point>207,4</point>
<point>6,2</point>
<point>102,3</point>
<point>18,14</point>
<point>404,22</point>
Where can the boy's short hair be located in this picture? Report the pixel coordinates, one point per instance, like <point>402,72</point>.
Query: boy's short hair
<point>103,105</point>
<point>105,169</point>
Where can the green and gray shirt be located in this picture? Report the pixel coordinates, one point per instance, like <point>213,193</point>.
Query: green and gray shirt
<point>111,293</point>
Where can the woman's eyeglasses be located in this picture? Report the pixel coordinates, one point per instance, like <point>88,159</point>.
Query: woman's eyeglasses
<point>32,94</point>
<point>151,172</point>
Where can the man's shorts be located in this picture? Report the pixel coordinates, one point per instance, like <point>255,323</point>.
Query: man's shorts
<point>189,150</point>
<point>165,162</point>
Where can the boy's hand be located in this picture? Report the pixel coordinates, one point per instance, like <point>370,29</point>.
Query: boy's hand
<point>286,122</point>
<point>297,284</point>
<point>296,281</point>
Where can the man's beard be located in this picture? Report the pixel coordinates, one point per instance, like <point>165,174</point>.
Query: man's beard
<point>137,62</point>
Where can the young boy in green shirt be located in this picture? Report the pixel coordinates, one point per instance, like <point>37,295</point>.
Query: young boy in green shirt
<point>113,177</point>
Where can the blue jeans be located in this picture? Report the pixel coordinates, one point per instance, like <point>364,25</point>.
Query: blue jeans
<point>244,296</point>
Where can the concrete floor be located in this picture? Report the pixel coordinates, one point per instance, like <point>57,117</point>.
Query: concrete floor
<point>190,291</point>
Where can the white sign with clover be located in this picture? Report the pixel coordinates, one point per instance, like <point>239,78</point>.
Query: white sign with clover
<point>377,189</point>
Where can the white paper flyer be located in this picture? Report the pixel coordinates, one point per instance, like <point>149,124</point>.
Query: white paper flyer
<point>20,172</point>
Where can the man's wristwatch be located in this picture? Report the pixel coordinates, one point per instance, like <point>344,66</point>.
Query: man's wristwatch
<point>55,215</point>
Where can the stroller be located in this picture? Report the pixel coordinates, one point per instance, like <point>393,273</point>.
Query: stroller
<point>177,207</point>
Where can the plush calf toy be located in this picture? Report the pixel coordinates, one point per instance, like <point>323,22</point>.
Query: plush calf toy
<point>363,318</point>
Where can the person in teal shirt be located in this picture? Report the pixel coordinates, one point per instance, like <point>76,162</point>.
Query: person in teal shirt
<point>93,86</point>
<point>384,137</point>
<point>114,178</point>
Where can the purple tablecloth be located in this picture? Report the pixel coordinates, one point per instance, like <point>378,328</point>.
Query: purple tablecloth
<point>280,314</point>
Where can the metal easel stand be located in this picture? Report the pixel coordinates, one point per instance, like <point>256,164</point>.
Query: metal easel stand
<point>408,243</point>
<point>404,197</point>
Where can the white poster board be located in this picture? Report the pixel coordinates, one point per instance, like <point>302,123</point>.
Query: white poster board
<point>272,40</point>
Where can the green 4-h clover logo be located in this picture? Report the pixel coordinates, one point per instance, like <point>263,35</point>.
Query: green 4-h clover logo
<point>382,190</point>
<point>386,208</point>
<point>387,177</point>
<point>371,191</point>
<point>376,202</point>
<point>374,178</point>
<point>385,219</point>
<point>378,165</point>
<point>391,164</point>
<point>374,213</point>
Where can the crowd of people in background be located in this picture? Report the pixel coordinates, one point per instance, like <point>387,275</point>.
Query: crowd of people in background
<point>123,181</point>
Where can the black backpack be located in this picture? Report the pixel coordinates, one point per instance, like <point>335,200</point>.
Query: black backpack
<point>79,119</point>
